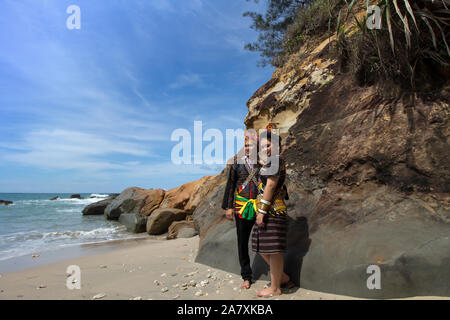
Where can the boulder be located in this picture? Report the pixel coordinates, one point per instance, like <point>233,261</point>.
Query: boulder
<point>187,233</point>
<point>160,219</point>
<point>182,229</point>
<point>98,208</point>
<point>134,222</point>
<point>152,202</point>
<point>368,183</point>
<point>55,198</point>
<point>129,201</point>
<point>76,196</point>
<point>189,195</point>
<point>5,202</point>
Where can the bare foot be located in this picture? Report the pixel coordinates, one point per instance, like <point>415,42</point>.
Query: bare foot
<point>269,292</point>
<point>246,284</point>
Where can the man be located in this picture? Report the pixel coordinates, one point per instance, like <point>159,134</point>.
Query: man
<point>239,201</point>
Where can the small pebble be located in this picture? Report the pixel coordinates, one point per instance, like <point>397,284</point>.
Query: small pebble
<point>175,285</point>
<point>176,297</point>
<point>34,255</point>
<point>164,274</point>
<point>136,298</point>
<point>102,266</point>
<point>199,293</point>
<point>42,286</point>
<point>165,289</point>
<point>99,296</point>
<point>156,282</point>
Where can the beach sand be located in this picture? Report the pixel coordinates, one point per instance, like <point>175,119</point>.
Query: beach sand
<point>147,269</point>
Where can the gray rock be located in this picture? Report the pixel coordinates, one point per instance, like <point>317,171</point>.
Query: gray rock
<point>134,222</point>
<point>76,196</point>
<point>55,198</point>
<point>97,208</point>
<point>129,201</point>
<point>160,219</point>
<point>5,202</point>
<point>187,233</point>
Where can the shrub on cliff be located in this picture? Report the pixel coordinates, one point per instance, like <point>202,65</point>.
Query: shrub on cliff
<point>408,53</point>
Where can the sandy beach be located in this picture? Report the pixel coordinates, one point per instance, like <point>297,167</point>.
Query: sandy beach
<point>152,269</point>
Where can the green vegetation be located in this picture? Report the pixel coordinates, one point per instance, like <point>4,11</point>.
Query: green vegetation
<point>411,49</point>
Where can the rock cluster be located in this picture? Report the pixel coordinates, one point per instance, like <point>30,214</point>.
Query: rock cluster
<point>368,179</point>
<point>156,211</point>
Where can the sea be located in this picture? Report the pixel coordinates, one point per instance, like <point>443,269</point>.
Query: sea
<point>34,223</point>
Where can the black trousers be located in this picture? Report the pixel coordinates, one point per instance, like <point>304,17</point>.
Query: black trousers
<point>244,229</point>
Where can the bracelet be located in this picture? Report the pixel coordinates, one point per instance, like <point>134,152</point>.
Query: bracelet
<point>266,202</point>
<point>262,211</point>
<point>265,207</point>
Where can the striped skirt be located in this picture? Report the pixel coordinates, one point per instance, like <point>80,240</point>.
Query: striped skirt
<point>271,238</point>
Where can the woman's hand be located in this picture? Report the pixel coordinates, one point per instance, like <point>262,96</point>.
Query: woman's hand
<point>260,220</point>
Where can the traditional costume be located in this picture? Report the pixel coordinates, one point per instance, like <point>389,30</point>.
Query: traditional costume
<point>272,237</point>
<point>240,194</point>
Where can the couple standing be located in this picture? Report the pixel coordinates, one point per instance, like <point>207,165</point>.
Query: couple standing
<point>254,198</point>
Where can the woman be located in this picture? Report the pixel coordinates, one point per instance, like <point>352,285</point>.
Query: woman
<point>269,233</point>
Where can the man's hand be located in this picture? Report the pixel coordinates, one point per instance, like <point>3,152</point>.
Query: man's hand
<point>260,220</point>
<point>229,214</point>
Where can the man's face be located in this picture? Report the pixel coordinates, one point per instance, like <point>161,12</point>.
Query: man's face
<point>250,149</point>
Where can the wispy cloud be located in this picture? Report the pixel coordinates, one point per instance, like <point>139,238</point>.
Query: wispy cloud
<point>101,102</point>
<point>187,80</point>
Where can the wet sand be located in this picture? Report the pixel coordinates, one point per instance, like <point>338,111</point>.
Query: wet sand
<point>140,269</point>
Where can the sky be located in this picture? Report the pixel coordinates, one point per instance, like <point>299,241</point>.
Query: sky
<point>93,109</point>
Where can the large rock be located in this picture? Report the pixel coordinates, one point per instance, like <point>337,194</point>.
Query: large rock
<point>98,208</point>
<point>182,229</point>
<point>368,183</point>
<point>76,196</point>
<point>189,195</point>
<point>160,219</point>
<point>55,198</point>
<point>5,202</point>
<point>134,222</point>
<point>152,201</point>
<point>130,200</point>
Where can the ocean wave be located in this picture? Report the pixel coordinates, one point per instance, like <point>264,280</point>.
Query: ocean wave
<point>96,195</point>
<point>30,236</point>
<point>24,250</point>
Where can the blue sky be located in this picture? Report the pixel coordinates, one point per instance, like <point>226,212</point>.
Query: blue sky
<point>92,110</point>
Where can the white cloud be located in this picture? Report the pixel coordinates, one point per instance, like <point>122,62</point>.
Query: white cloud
<point>187,80</point>
<point>63,149</point>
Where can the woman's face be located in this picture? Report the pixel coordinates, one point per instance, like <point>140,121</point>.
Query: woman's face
<point>266,148</point>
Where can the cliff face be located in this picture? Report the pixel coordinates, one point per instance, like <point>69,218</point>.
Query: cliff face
<point>368,178</point>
